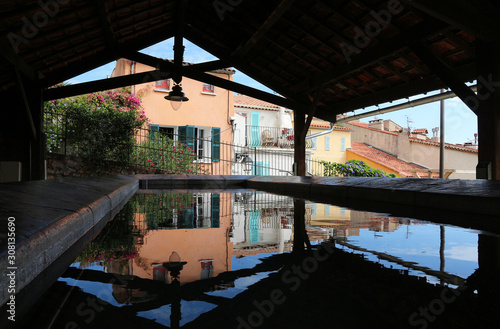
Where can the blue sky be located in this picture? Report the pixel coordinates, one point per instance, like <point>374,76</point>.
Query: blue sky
<point>460,121</point>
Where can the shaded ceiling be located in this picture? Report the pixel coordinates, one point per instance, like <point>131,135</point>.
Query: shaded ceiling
<point>359,53</point>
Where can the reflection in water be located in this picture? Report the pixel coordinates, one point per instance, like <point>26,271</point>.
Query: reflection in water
<point>166,257</point>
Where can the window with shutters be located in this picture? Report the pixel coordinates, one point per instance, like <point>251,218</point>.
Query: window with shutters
<point>342,144</point>
<point>327,143</point>
<point>204,140</point>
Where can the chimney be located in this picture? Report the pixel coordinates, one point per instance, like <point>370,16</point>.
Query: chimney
<point>376,124</point>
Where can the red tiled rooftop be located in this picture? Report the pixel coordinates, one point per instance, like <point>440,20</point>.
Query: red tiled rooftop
<point>365,125</point>
<point>446,145</point>
<point>386,160</point>
<point>250,102</point>
<point>420,131</point>
<point>318,123</point>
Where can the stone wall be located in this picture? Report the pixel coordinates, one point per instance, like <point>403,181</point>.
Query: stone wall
<point>59,165</point>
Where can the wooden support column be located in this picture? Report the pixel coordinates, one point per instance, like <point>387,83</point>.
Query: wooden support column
<point>300,238</point>
<point>38,153</point>
<point>299,143</point>
<point>30,99</point>
<point>488,113</point>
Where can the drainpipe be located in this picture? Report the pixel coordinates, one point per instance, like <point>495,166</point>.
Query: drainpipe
<point>132,71</point>
<point>322,132</point>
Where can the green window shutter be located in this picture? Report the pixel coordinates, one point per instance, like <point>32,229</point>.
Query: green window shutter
<point>342,144</point>
<point>186,135</point>
<point>215,216</point>
<point>153,131</point>
<point>327,143</point>
<point>186,219</point>
<point>254,129</point>
<point>215,144</point>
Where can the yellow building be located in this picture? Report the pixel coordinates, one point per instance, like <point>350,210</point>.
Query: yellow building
<point>331,146</point>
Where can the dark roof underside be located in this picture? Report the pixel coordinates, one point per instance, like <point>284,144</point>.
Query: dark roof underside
<point>293,47</point>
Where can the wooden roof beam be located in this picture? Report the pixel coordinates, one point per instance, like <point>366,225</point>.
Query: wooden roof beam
<point>415,87</point>
<point>465,15</point>
<point>8,53</point>
<point>109,55</point>
<point>369,56</point>
<point>261,32</point>
<point>244,67</point>
<point>444,73</point>
<point>194,74</point>
<point>210,66</point>
<point>106,24</point>
<point>104,84</point>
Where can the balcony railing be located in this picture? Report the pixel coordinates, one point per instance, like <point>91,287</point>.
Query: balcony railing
<point>258,136</point>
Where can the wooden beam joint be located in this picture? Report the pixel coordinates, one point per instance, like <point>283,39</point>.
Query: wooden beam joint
<point>446,75</point>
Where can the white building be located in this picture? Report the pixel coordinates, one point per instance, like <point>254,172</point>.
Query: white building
<point>263,133</point>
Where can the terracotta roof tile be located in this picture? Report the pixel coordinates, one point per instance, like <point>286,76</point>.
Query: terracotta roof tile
<point>420,131</point>
<point>318,123</point>
<point>250,102</point>
<point>446,145</point>
<point>365,125</point>
<point>386,160</point>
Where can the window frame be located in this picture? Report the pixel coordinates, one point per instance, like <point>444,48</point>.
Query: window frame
<point>166,85</point>
<point>208,89</point>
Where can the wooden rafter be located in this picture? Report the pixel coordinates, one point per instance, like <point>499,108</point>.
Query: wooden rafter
<point>445,74</point>
<point>414,87</point>
<point>24,99</point>
<point>484,24</point>
<point>104,84</point>
<point>194,74</point>
<point>106,24</point>
<point>261,32</point>
<point>372,55</point>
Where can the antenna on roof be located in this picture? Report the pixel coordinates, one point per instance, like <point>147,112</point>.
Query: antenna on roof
<point>408,123</point>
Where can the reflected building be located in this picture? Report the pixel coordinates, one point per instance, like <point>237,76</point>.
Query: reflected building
<point>344,222</point>
<point>194,225</point>
<point>264,223</point>
<point>261,222</point>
